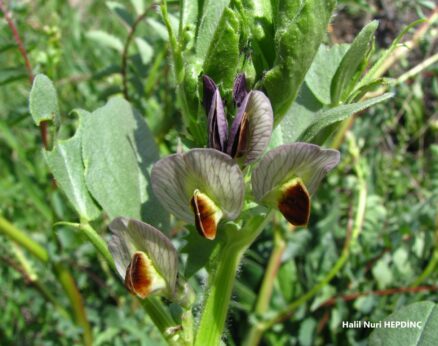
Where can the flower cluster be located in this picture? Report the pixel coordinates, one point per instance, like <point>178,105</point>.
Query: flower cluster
<point>204,186</point>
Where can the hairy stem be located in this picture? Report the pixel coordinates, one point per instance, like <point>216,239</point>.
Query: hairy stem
<point>221,281</point>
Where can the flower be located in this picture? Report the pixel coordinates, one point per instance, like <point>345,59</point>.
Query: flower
<point>251,129</point>
<point>201,186</point>
<point>288,175</point>
<point>145,259</point>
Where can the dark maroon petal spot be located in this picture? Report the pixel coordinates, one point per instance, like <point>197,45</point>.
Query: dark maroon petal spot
<point>294,204</point>
<point>138,276</point>
<point>205,215</point>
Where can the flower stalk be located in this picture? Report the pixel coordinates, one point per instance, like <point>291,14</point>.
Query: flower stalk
<point>221,281</point>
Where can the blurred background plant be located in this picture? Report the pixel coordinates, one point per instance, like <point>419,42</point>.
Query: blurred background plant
<point>95,49</point>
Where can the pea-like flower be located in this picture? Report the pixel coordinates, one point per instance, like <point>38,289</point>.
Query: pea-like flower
<point>201,186</point>
<point>144,257</point>
<point>251,129</point>
<point>288,175</point>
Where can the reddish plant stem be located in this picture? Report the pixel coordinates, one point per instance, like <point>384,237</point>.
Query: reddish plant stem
<point>17,39</point>
<point>124,67</point>
<point>27,64</point>
<point>386,292</point>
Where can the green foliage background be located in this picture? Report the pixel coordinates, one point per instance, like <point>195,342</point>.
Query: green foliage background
<point>69,42</point>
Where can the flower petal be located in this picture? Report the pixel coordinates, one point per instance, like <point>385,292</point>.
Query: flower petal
<point>141,277</point>
<point>217,122</point>
<point>239,89</point>
<point>252,128</point>
<point>306,161</point>
<point>176,177</point>
<point>294,203</point>
<point>207,215</point>
<point>129,236</point>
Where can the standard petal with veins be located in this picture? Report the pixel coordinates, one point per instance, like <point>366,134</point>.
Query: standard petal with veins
<point>289,174</point>
<point>144,257</point>
<point>252,128</point>
<point>176,178</point>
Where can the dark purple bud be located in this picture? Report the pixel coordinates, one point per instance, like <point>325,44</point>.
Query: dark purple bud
<point>239,89</point>
<point>252,128</point>
<point>210,88</point>
<point>217,122</point>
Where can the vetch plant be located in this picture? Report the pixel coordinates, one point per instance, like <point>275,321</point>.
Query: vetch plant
<point>259,99</point>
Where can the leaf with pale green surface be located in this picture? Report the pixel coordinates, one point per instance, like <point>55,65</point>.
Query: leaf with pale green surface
<point>145,50</point>
<point>43,101</point>
<point>343,78</point>
<point>425,312</point>
<point>323,68</point>
<point>65,163</point>
<point>301,26</point>
<point>118,152</point>
<point>106,40</point>
<point>212,15</point>
<point>222,58</point>
<point>329,117</point>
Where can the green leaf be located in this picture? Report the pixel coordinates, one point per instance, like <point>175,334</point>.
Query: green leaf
<point>303,112</point>
<point>374,71</point>
<point>65,163</point>
<point>118,152</point>
<point>145,50</point>
<point>12,74</point>
<point>343,78</point>
<point>159,29</point>
<point>139,6</point>
<point>222,57</point>
<point>43,102</point>
<point>121,12</point>
<point>190,13</point>
<point>393,333</point>
<point>301,26</point>
<point>326,118</point>
<point>211,18</point>
<point>198,250</point>
<point>324,66</point>
<point>105,39</point>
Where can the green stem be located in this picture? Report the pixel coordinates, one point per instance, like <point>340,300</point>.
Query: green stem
<point>221,281</point>
<point>67,281</point>
<point>174,46</point>
<point>218,297</point>
<point>160,317</point>
<point>94,238</point>
<point>264,296</point>
<point>23,240</point>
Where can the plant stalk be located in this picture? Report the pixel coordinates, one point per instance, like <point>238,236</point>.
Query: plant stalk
<point>23,240</point>
<point>221,281</point>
